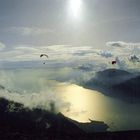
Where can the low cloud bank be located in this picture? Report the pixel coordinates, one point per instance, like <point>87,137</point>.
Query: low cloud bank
<point>105,53</point>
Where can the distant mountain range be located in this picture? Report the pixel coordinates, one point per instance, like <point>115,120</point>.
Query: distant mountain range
<point>116,83</point>
<point>130,88</point>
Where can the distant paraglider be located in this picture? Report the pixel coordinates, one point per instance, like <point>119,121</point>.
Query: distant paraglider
<point>44,55</point>
<point>116,61</point>
<point>113,62</point>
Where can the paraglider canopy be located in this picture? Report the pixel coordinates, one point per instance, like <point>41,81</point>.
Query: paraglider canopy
<point>41,55</point>
<point>44,55</point>
<point>113,62</point>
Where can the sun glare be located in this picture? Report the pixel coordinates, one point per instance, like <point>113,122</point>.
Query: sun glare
<point>75,7</point>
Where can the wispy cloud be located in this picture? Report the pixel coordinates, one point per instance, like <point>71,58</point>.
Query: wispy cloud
<point>81,57</point>
<point>123,48</point>
<point>122,44</point>
<point>55,52</point>
<point>2,46</point>
<point>26,48</point>
<point>30,31</point>
<point>134,58</point>
<point>105,53</point>
<point>116,44</point>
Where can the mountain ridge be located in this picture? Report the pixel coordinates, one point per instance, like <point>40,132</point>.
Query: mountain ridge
<point>116,83</point>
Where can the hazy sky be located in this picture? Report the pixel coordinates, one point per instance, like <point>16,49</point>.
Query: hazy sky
<point>33,23</point>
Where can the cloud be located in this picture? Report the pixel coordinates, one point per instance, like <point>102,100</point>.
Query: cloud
<point>2,46</point>
<point>136,50</point>
<point>61,53</point>
<point>125,52</point>
<point>10,55</point>
<point>120,48</point>
<point>134,58</point>
<point>48,101</point>
<point>85,67</point>
<point>27,49</point>
<point>23,52</point>
<point>85,58</point>
<point>105,53</point>
<point>30,31</point>
<point>91,67</point>
<point>122,44</point>
<point>73,50</point>
<point>33,89</point>
<point>116,44</point>
<point>19,54</point>
<point>56,52</point>
<point>121,62</point>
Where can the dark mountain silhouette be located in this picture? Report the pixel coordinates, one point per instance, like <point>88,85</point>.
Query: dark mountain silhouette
<point>129,88</point>
<point>92,126</point>
<point>21,123</point>
<point>14,117</point>
<point>116,83</point>
<point>112,76</point>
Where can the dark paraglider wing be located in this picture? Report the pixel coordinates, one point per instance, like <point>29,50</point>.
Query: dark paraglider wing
<point>41,55</point>
<point>44,55</point>
<point>113,62</point>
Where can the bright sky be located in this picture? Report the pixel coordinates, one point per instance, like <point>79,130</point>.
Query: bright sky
<point>28,27</point>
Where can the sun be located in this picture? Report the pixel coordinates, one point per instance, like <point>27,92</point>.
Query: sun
<point>75,7</point>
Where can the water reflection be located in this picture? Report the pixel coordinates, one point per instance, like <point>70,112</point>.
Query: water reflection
<point>88,104</point>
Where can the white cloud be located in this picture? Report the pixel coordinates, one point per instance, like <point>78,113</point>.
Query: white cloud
<point>75,55</point>
<point>65,53</point>
<point>18,53</point>
<point>2,46</point>
<point>136,50</point>
<point>134,58</point>
<point>27,48</point>
<point>30,31</point>
<point>122,44</point>
<point>116,44</point>
<point>68,52</point>
<point>105,53</point>
<point>10,55</point>
<point>124,49</point>
<point>85,67</point>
